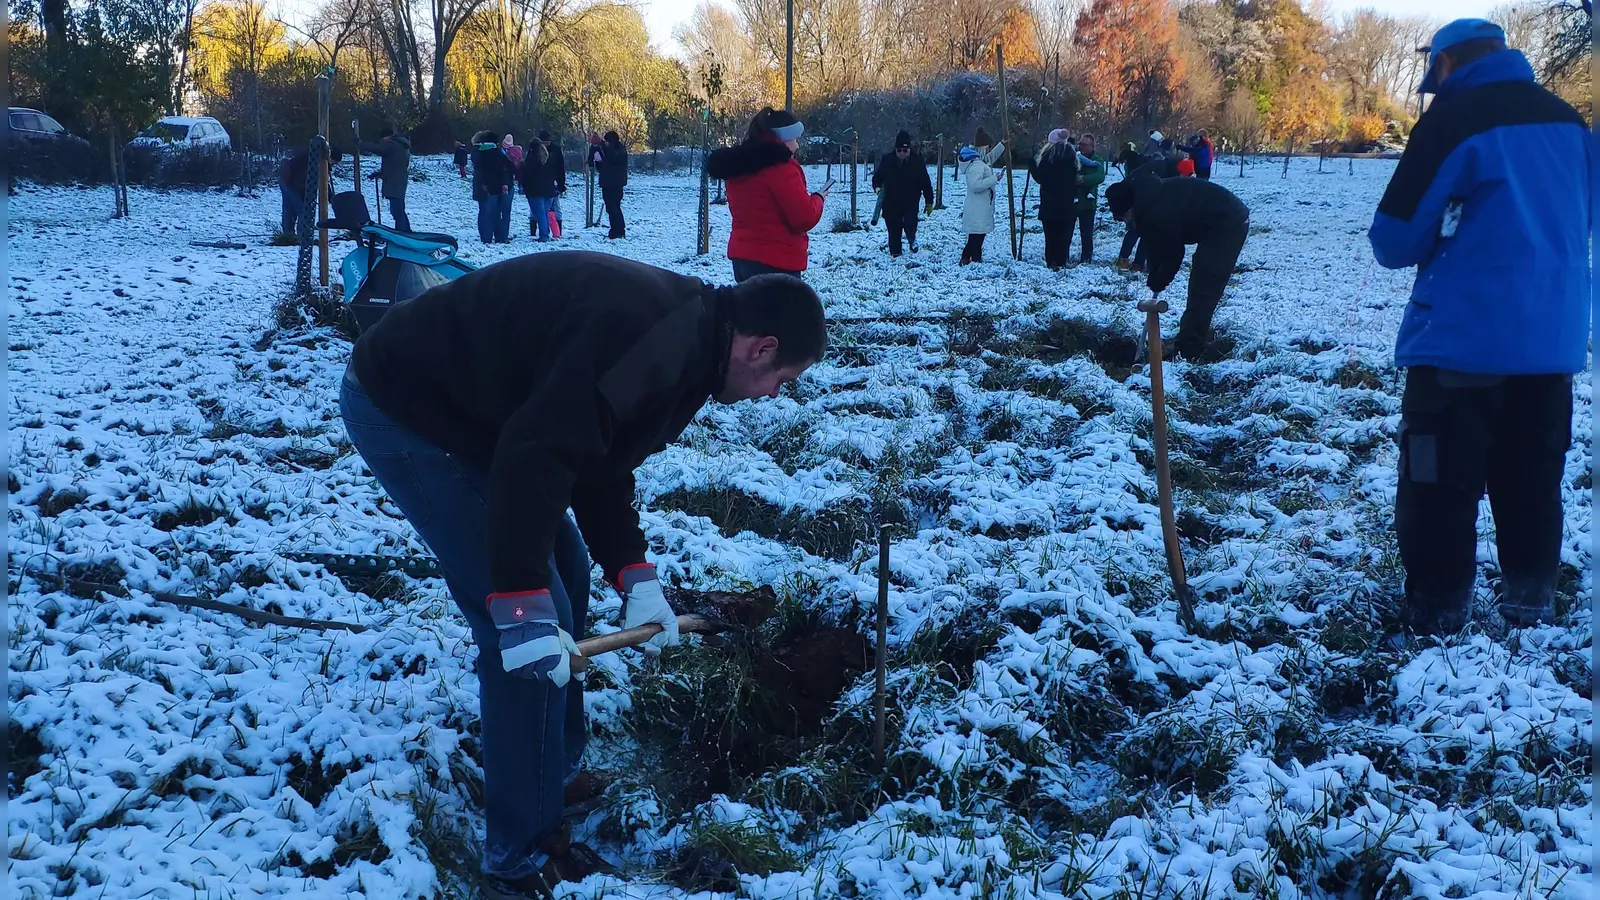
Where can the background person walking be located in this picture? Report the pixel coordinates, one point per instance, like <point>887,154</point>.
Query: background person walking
<point>902,176</point>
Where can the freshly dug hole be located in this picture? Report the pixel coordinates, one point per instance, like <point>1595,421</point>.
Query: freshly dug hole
<point>714,717</point>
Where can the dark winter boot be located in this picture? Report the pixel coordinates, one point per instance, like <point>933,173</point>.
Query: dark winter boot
<point>1437,616</point>
<point>1527,601</point>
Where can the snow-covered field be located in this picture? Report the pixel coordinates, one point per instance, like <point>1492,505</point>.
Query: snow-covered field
<point>1054,732</point>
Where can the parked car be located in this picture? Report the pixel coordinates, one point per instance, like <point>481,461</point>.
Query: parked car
<point>184,132</point>
<point>40,131</point>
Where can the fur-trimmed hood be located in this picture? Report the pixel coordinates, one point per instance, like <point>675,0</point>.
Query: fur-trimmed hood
<point>746,158</point>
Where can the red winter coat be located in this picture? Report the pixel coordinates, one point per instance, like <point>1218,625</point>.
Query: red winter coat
<point>771,208</point>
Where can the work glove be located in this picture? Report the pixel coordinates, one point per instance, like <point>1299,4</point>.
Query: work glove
<point>532,642</point>
<point>644,603</point>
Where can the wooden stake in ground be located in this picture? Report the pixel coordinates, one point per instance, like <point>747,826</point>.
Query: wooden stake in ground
<point>1005,137</point>
<point>855,163</point>
<point>879,702</point>
<point>938,186</point>
<point>1152,309</point>
<point>324,94</point>
<point>355,129</point>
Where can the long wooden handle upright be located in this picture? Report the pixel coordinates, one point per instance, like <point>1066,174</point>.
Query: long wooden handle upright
<point>1158,414</point>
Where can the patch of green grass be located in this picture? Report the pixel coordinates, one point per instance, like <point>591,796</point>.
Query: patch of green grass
<point>192,512</point>
<point>53,502</point>
<point>717,853</point>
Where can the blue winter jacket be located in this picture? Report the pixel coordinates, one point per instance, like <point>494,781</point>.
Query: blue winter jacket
<point>1490,202</point>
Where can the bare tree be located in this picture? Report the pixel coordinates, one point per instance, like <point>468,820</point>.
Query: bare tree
<point>1241,123</point>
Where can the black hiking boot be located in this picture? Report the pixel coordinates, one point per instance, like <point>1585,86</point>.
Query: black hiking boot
<point>1437,616</point>
<point>568,861</point>
<point>1526,602</point>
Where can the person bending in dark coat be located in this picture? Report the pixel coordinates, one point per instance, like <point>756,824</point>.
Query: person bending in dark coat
<point>1169,213</point>
<point>902,176</point>
<point>490,406</point>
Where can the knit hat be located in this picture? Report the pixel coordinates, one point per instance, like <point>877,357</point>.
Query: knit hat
<point>1185,167</point>
<point>1119,199</point>
<point>544,136</point>
<point>903,139</point>
<point>982,139</point>
<point>968,154</point>
<point>1059,136</point>
<point>1155,136</point>
<point>784,125</point>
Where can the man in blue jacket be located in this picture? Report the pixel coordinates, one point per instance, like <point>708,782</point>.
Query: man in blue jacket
<point>1491,203</point>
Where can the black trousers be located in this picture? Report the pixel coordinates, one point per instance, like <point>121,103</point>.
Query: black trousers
<point>1057,241</point>
<point>973,251</point>
<point>1462,434</point>
<point>1204,174</point>
<point>744,269</point>
<point>900,222</point>
<point>613,199</point>
<point>397,208</point>
<point>1131,245</point>
<point>1085,223</point>
<point>1209,271</point>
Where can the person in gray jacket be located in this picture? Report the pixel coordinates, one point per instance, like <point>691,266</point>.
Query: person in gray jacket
<point>395,173</point>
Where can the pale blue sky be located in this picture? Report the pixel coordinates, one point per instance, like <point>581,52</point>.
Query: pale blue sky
<point>661,16</point>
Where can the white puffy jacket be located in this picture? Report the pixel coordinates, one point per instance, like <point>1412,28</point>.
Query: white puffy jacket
<point>980,177</point>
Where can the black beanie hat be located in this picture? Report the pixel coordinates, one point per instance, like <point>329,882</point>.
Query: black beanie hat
<point>982,139</point>
<point>903,139</point>
<point>780,118</point>
<point>1119,199</point>
<point>544,135</point>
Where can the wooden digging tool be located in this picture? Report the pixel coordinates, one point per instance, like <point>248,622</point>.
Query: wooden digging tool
<point>633,637</point>
<point>1152,309</point>
<point>879,694</point>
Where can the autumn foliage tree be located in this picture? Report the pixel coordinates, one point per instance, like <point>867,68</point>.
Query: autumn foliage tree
<point>1131,53</point>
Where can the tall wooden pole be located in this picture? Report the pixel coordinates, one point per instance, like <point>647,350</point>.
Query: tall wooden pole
<point>938,187</point>
<point>1005,132</point>
<point>879,704</point>
<point>788,60</point>
<point>855,163</point>
<point>355,129</point>
<point>324,94</point>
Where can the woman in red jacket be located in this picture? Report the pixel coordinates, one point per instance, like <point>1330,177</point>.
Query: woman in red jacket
<point>767,197</point>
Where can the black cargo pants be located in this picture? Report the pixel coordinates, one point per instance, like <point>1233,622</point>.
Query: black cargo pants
<point>1209,271</point>
<point>1460,434</point>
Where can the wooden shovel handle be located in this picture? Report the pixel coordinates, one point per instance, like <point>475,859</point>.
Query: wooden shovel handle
<point>633,637</point>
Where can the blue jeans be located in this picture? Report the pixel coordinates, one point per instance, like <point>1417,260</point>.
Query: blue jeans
<point>533,732</point>
<point>539,216</point>
<point>494,218</point>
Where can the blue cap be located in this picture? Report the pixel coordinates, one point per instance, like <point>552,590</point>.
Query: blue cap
<point>1458,32</point>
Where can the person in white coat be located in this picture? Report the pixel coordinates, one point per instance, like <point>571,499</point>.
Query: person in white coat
<point>977,170</point>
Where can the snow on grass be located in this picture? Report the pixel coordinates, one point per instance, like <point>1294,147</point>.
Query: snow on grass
<point>1053,731</point>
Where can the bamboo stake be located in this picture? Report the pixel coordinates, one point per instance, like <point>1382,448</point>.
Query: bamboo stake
<point>1005,137</point>
<point>879,697</point>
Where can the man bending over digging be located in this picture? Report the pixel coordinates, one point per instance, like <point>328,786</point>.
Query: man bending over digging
<point>490,406</point>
